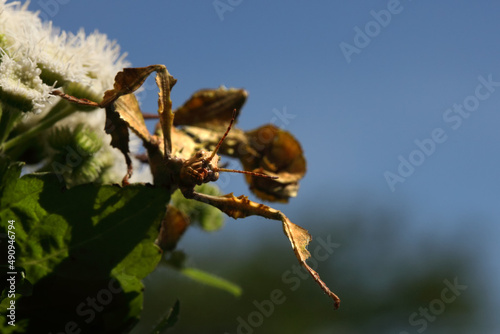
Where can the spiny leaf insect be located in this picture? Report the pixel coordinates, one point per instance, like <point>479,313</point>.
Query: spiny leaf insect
<point>172,172</point>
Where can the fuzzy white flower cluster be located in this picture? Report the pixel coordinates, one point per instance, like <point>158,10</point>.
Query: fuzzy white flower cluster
<point>58,57</point>
<point>36,58</point>
<point>20,83</point>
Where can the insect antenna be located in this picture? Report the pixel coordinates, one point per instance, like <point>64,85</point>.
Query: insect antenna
<point>247,172</point>
<point>223,137</point>
<point>234,170</point>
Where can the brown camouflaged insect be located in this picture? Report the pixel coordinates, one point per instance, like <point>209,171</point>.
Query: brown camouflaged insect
<point>173,172</point>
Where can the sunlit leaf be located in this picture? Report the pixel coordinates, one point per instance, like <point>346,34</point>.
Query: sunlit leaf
<point>206,216</point>
<point>89,241</point>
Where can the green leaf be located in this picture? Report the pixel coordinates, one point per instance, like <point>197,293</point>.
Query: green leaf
<point>169,320</point>
<point>208,217</point>
<point>177,260</point>
<point>85,250</point>
<point>211,280</point>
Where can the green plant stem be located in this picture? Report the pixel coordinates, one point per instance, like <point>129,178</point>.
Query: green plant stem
<point>51,119</point>
<point>8,119</point>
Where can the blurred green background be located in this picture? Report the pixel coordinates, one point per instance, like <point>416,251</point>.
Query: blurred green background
<point>389,280</point>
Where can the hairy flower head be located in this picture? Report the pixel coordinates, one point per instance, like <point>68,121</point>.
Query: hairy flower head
<point>36,58</point>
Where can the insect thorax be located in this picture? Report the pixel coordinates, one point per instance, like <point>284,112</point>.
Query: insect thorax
<point>200,168</point>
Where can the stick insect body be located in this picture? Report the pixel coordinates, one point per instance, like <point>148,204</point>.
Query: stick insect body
<point>184,174</point>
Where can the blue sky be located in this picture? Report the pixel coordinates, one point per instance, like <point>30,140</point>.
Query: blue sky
<point>355,114</point>
<point>363,114</point>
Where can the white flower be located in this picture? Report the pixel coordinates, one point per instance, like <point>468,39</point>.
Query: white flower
<point>63,57</point>
<point>20,84</point>
<point>36,58</point>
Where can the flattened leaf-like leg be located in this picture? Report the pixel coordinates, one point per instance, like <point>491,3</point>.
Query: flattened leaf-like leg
<point>117,128</point>
<point>130,79</point>
<point>120,116</point>
<point>240,207</point>
<point>300,238</point>
<point>165,83</point>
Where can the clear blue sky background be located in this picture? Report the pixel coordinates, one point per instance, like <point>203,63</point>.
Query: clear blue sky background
<point>354,119</point>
